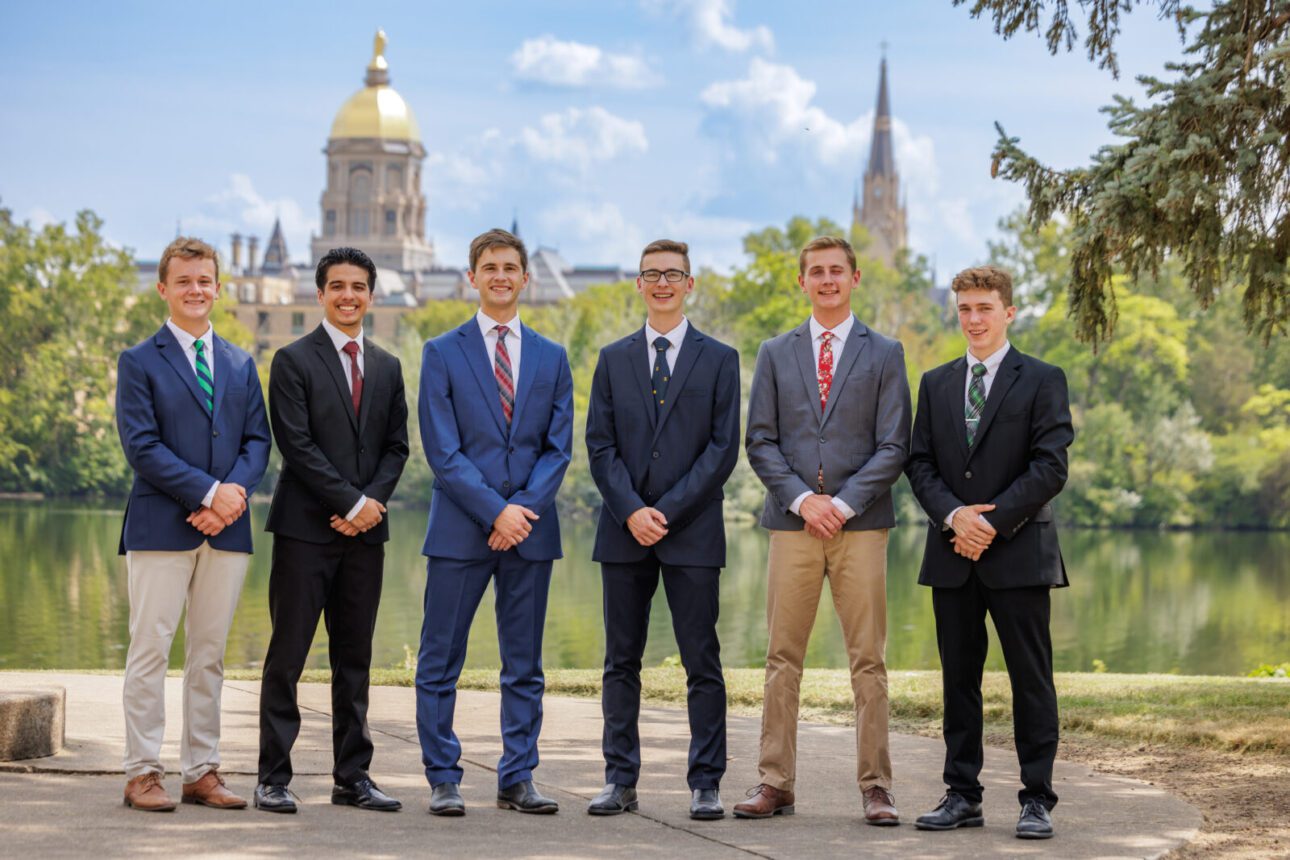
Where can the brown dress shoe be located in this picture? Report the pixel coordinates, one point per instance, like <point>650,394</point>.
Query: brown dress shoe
<point>765,801</point>
<point>145,792</point>
<point>880,807</point>
<point>210,791</point>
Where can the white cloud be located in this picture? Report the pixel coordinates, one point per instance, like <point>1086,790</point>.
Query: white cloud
<point>711,23</point>
<point>547,60</point>
<point>578,137</point>
<point>241,208</point>
<point>40,218</point>
<point>592,231</point>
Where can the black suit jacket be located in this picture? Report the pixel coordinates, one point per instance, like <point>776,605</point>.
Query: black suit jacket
<point>331,457</point>
<point>1017,463</point>
<point>676,462</point>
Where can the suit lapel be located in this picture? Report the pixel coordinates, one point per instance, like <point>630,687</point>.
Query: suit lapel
<point>856,342</point>
<point>223,368</point>
<point>691,346</point>
<point>1008,372</point>
<point>373,365</point>
<point>531,354</point>
<point>330,358</point>
<point>804,349</point>
<point>642,373</point>
<point>475,351</point>
<point>173,353</point>
<point>955,398</point>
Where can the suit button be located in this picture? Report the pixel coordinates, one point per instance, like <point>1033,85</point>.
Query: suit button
<point>655,455</point>
<point>215,434</point>
<point>968,473</point>
<point>821,440</point>
<point>512,449</point>
<point>506,484</point>
<point>362,450</point>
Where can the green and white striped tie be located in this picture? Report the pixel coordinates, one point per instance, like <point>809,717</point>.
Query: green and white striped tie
<point>976,401</point>
<point>204,379</point>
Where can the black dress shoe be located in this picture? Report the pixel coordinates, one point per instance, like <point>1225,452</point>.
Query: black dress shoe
<point>1035,822</point>
<point>705,805</point>
<point>953,811</point>
<point>445,799</point>
<point>522,796</point>
<point>365,795</point>
<point>613,799</point>
<point>274,798</point>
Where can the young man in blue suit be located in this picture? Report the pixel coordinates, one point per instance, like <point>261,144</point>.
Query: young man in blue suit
<point>663,438</point>
<point>496,413</point>
<point>191,419</point>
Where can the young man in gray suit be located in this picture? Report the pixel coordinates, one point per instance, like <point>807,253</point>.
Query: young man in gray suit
<point>828,434</point>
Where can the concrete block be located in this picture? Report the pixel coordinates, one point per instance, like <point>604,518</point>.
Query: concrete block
<point>31,722</point>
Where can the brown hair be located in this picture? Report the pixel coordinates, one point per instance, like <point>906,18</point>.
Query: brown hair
<point>819,243</point>
<point>497,238</point>
<point>990,278</point>
<point>667,246</point>
<point>189,249</point>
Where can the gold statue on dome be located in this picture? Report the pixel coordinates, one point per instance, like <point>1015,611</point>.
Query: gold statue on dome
<point>378,51</point>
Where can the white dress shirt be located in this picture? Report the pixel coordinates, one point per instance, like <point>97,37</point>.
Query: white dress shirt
<point>339,339</point>
<point>840,334</point>
<point>487,327</point>
<point>674,338</point>
<point>186,341</point>
<point>991,363</point>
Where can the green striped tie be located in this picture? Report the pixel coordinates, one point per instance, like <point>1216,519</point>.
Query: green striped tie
<point>976,401</point>
<point>204,380</point>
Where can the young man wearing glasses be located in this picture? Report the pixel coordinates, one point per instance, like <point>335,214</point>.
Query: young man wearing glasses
<point>662,438</point>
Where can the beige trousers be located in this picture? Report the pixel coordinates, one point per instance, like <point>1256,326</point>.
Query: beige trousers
<point>855,564</point>
<point>209,581</point>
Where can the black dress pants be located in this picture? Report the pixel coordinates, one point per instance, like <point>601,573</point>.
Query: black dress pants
<point>341,581</point>
<point>693,598</point>
<point>1021,619</point>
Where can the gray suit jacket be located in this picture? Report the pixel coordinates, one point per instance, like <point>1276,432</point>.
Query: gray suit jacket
<point>861,440</point>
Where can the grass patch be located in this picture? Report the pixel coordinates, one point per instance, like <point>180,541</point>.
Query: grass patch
<point>1202,712</point>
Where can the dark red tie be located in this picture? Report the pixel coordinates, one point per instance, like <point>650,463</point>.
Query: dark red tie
<point>355,378</point>
<point>502,370</point>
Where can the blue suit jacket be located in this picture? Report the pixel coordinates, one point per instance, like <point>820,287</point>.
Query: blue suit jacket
<point>480,466</point>
<point>677,461</point>
<point>177,449</point>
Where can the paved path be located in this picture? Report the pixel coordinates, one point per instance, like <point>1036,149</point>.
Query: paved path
<point>69,805</point>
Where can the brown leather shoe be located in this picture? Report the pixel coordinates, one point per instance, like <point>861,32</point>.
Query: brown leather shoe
<point>765,801</point>
<point>210,791</point>
<point>880,807</point>
<point>145,792</point>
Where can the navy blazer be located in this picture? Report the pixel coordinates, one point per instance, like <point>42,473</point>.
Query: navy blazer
<point>480,465</point>
<point>177,449</point>
<point>1017,462</point>
<point>677,462</point>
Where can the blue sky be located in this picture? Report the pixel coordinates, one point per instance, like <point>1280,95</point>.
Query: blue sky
<point>604,125</point>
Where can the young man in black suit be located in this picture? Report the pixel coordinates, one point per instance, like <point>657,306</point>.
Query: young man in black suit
<point>663,438</point>
<point>988,456</point>
<point>341,422</point>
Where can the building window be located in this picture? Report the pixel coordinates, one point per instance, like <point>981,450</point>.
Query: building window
<point>394,178</point>
<point>329,223</point>
<point>391,221</point>
<point>297,322</point>
<point>359,222</point>
<point>262,322</point>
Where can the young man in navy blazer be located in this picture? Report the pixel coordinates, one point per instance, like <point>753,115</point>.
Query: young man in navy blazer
<point>496,412</point>
<point>191,419</point>
<point>663,438</point>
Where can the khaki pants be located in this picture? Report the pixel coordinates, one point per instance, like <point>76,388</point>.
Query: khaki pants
<point>209,581</point>
<point>855,564</point>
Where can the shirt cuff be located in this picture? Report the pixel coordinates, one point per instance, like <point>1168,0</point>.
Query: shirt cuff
<point>353,512</point>
<point>796,507</point>
<point>949,520</point>
<point>210,495</point>
<point>842,506</point>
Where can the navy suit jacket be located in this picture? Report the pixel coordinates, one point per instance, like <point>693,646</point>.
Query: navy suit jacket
<point>177,449</point>
<point>676,462</point>
<point>1017,463</point>
<point>480,465</point>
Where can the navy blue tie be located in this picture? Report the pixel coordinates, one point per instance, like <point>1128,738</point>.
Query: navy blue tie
<point>658,379</point>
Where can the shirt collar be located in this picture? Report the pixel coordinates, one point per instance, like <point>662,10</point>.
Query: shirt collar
<point>991,361</point>
<point>840,331</point>
<point>674,337</point>
<point>487,324</point>
<point>186,340</point>
<point>339,338</point>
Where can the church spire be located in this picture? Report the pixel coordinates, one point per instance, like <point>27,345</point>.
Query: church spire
<point>882,207</point>
<point>275,255</point>
<point>882,161</point>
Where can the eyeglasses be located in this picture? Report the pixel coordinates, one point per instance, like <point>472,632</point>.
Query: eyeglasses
<point>673,276</point>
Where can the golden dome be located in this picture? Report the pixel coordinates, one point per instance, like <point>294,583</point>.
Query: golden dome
<point>376,111</point>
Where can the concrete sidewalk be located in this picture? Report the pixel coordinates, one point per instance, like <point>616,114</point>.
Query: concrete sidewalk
<point>69,805</point>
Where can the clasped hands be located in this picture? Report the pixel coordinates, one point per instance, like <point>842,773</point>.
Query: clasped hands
<point>511,527</point>
<point>228,503</point>
<point>972,534</point>
<point>823,519</point>
<point>648,526</point>
<point>367,518</point>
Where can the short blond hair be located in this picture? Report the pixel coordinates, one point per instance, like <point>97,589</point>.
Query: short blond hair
<point>667,246</point>
<point>820,243</point>
<point>989,278</point>
<point>188,248</point>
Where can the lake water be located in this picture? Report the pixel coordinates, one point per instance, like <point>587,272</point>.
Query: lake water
<point>1196,603</point>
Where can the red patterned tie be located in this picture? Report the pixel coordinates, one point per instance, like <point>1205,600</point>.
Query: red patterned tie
<point>824,373</point>
<point>355,378</point>
<point>502,370</point>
